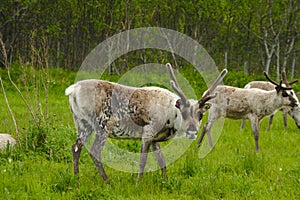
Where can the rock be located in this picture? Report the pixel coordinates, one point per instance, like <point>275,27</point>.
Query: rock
<point>5,139</point>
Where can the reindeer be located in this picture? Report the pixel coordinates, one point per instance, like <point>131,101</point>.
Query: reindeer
<point>253,104</point>
<point>150,114</point>
<point>293,112</point>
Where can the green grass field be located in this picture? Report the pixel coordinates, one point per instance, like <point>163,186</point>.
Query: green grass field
<point>232,170</point>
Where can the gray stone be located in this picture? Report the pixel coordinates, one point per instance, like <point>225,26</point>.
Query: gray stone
<point>5,139</point>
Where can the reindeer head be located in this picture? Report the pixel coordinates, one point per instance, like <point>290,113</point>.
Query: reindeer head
<point>295,111</point>
<point>295,114</point>
<point>285,90</point>
<point>191,110</point>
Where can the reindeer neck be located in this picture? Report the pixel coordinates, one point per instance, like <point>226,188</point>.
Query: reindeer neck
<point>273,101</point>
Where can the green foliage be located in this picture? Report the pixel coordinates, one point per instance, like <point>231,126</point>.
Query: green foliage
<point>36,138</point>
<point>233,170</point>
<point>69,30</point>
<point>238,79</point>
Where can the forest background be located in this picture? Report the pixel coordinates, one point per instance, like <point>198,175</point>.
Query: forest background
<point>243,35</point>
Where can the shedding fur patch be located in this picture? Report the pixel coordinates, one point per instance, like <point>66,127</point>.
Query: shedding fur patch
<point>139,107</point>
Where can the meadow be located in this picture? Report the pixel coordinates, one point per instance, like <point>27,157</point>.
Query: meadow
<point>41,167</point>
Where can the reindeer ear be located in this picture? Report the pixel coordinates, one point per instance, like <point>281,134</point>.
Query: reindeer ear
<point>178,103</point>
<point>277,88</point>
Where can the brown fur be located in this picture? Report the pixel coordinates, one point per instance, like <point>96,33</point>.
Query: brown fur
<point>103,93</point>
<point>139,107</point>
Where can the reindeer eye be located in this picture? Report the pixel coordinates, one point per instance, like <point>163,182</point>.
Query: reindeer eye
<point>285,94</point>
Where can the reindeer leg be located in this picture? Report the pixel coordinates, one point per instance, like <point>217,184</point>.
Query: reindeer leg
<point>84,131</point>
<point>270,122</point>
<point>160,158</point>
<point>96,149</point>
<point>95,153</point>
<point>284,120</point>
<point>242,124</point>
<point>204,130</point>
<point>255,124</point>
<point>143,156</point>
<point>76,150</point>
<point>209,138</point>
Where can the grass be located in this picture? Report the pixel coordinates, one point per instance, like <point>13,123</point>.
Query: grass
<point>232,170</point>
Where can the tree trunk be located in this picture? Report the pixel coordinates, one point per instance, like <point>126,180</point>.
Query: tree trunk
<point>58,54</point>
<point>278,61</point>
<point>293,68</point>
<point>226,59</point>
<point>267,67</point>
<point>246,70</point>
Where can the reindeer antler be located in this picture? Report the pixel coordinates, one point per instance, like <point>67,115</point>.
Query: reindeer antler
<point>174,83</point>
<point>279,85</point>
<point>269,79</point>
<point>208,95</point>
<point>285,81</point>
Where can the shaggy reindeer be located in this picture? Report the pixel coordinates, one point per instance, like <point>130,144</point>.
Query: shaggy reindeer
<point>293,112</point>
<point>151,114</point>
<point>254,104</point>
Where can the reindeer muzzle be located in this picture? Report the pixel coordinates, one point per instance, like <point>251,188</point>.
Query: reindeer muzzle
<point>191,132</point>
<point>294,102</point>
